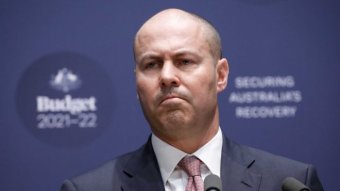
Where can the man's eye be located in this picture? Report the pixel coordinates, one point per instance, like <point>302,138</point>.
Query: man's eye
<point>185,62</point>
<point>151,65</point>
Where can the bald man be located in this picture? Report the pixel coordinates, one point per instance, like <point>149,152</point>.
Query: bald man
<point>179,73</point>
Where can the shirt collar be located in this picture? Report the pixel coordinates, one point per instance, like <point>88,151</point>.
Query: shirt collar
<point>210,153</point>
<point>169,156</point>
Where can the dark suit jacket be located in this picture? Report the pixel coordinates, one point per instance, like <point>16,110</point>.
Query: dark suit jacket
<point>242,169</point>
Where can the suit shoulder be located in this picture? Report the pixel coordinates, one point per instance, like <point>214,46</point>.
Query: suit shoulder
<point>268,163</point>
<point>274,168</point>
<point>275,161</point>
<point>104,177</point>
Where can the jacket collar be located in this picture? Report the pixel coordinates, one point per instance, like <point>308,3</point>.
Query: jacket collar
<point>236,168</point>
<point>142,171</point>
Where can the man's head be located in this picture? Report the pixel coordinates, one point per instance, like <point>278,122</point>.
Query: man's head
<point>209,31</point>
<point>179,72</point>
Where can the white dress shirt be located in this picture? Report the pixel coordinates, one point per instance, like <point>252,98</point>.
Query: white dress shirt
<point>174,178</point>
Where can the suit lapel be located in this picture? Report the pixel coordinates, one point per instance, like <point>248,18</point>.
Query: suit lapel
<point>236,173</point>
<point>142,172</point>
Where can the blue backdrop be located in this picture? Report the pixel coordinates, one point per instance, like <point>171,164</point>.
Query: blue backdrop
<point>68,98</point>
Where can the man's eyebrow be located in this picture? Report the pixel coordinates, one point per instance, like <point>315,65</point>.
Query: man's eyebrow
<point>193,54</point>
<point>184,52</point>
<point>148,56</point>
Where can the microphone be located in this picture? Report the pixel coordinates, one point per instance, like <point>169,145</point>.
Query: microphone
<point>212,183</point>
<point>292,184</point>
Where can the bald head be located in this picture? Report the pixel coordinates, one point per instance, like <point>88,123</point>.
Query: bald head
<point>170,18</point>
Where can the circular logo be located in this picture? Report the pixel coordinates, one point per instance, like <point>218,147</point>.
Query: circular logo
<point>65,99</point>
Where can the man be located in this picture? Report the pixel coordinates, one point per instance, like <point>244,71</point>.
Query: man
<point>179,73</point>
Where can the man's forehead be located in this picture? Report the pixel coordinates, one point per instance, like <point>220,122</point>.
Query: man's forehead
<point>178,39</point>
<point>177,22</point>
<point>168,26</point>
<point>168,19</point>
<point>169,31</point>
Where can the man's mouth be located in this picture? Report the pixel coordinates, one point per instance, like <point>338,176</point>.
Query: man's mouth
<point>169,98</point>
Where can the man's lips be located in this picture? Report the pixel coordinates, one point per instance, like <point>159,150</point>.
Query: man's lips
<point>169,97</point>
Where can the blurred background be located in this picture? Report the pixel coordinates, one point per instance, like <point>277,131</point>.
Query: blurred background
<point>68,98</point>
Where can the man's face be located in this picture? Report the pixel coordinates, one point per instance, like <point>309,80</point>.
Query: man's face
<point>177,77</point>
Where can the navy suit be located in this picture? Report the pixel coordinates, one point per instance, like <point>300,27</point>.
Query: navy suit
<point>243,169</point>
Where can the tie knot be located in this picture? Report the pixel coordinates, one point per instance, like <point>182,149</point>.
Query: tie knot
<point>191,165</point>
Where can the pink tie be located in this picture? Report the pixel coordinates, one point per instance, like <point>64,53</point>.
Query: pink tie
<point>191,165</point>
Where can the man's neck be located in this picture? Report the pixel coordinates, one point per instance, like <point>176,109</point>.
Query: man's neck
<point>192,142</point>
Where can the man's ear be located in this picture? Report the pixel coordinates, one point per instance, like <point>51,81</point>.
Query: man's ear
<point>222,69</point>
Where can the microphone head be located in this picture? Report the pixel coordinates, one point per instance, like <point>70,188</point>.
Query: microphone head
<point>212,183</point>
<point>292,184</point>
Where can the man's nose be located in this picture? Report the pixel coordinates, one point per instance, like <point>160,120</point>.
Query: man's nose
<point>169,75</point>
